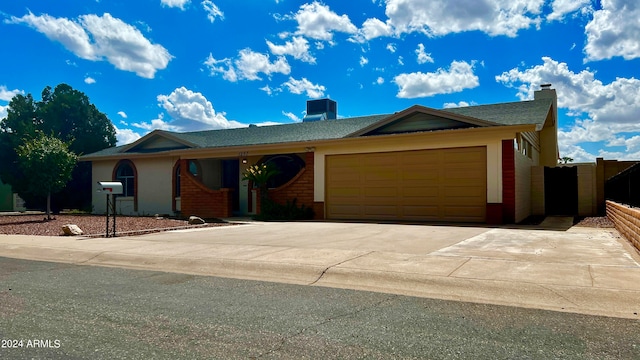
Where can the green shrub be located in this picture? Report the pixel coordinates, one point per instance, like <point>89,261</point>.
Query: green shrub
<point>272,211</point>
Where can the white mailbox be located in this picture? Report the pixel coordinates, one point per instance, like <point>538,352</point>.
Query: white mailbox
<point>110,187</point>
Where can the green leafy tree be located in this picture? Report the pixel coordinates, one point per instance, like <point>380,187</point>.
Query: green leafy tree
<point>66,114</point>
<point>46,163</point>
<point>566,160</point>
<point>19,125</point>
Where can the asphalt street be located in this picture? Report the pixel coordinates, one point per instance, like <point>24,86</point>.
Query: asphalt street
<point>65,311</point>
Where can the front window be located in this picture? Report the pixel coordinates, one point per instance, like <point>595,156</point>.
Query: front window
<point>126,175</point>
<point>288,166</point>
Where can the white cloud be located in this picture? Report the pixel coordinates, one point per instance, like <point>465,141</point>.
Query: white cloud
<point>564,7</point>
<point>69,33</point>
<point>441,17</point>
<point>175,3</point>
<point>616,102</point>
<point>224,67</point>
<point>298,47</point>
<point>267,89</point>
<point>125,136</point>
<point>7,95</point>
<point>158,124</point>
<point>313,91</point>
<point>603,112</point>
<point>251,63</point>
<point>373,28</point>
<point>391,47</point>
<point>363,61</point>
<point>94,38</point>
<point>3,111</point>
<point>191,110</point>
<point>212,10</point>
<point>456,105</point>
<point>89,80</point>
<point>247,66</point>
<point>423,57</point>
<point>293,117</point>
<point>379,80</point>
<point>614,31</point>
<point>122,114</point>
<point>458,77</point>
<point>318,22</point>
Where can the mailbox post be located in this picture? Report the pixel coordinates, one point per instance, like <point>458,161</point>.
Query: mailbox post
<point>111,189</point>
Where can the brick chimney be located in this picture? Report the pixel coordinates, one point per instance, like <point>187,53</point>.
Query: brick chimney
<point>549,133</point>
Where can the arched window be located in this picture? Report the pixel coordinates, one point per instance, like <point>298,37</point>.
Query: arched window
<point>126,174</point>
<point>288,165</point>
<point>195,169</point>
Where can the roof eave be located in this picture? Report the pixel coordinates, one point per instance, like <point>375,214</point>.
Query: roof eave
<point>161,133</point>
<point>257,149</point>
<point>424,110</point>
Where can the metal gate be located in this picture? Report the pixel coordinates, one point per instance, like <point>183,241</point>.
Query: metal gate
<point>561,190</point>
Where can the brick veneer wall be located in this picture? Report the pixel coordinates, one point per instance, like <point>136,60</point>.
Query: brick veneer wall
<point>626,221</point>
<point>300,187</point>
<point>197,199</point>
<point>508,182</point>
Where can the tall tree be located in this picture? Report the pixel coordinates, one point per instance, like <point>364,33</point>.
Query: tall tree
<point>46,163</point>
<point>20,124</point>
<point>66,114</point>
<point>71,117</point>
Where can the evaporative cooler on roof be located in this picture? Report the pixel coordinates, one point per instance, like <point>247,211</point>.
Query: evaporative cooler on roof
<point>322,109</point>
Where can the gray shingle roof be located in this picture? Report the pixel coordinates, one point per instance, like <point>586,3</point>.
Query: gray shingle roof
<point>514,113</point>
<point>274,134</point>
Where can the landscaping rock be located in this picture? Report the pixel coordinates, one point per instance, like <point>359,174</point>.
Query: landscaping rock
<point>194,220</point>
<point>72,230</point>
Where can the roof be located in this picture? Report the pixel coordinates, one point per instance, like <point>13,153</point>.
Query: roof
<point>532,112</point>
<point>513,113</point>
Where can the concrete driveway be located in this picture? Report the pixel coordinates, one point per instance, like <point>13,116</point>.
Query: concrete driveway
<point>583,270</point>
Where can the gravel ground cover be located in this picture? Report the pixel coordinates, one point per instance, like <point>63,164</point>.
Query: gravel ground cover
<point>90,224</point>
<point>94,225</point>
<point>596,222</point>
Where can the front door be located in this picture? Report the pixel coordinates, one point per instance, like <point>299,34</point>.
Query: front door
<point>231,180</point>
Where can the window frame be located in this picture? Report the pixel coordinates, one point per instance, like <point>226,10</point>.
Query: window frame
<point>134,180</point>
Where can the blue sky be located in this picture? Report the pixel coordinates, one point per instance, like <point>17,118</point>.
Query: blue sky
<point>186,65</point>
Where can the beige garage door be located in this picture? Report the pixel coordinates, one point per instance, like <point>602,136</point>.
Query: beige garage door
<point>423,185</point>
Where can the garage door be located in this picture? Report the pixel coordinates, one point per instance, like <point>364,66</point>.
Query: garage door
<point>424,185</point>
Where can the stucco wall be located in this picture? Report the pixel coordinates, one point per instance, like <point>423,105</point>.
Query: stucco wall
<point>537,190</point>
<point>587,194</point>
<point>523,166</point>
<point>155,181</point>
<point>154,187</point>
<point>100,171</point>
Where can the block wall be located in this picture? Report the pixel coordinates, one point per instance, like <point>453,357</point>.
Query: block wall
<point>198,200</point>
<point>300,187</point>
<point>626,221</point>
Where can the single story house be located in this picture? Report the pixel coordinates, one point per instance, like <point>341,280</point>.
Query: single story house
<point>467,164</point>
